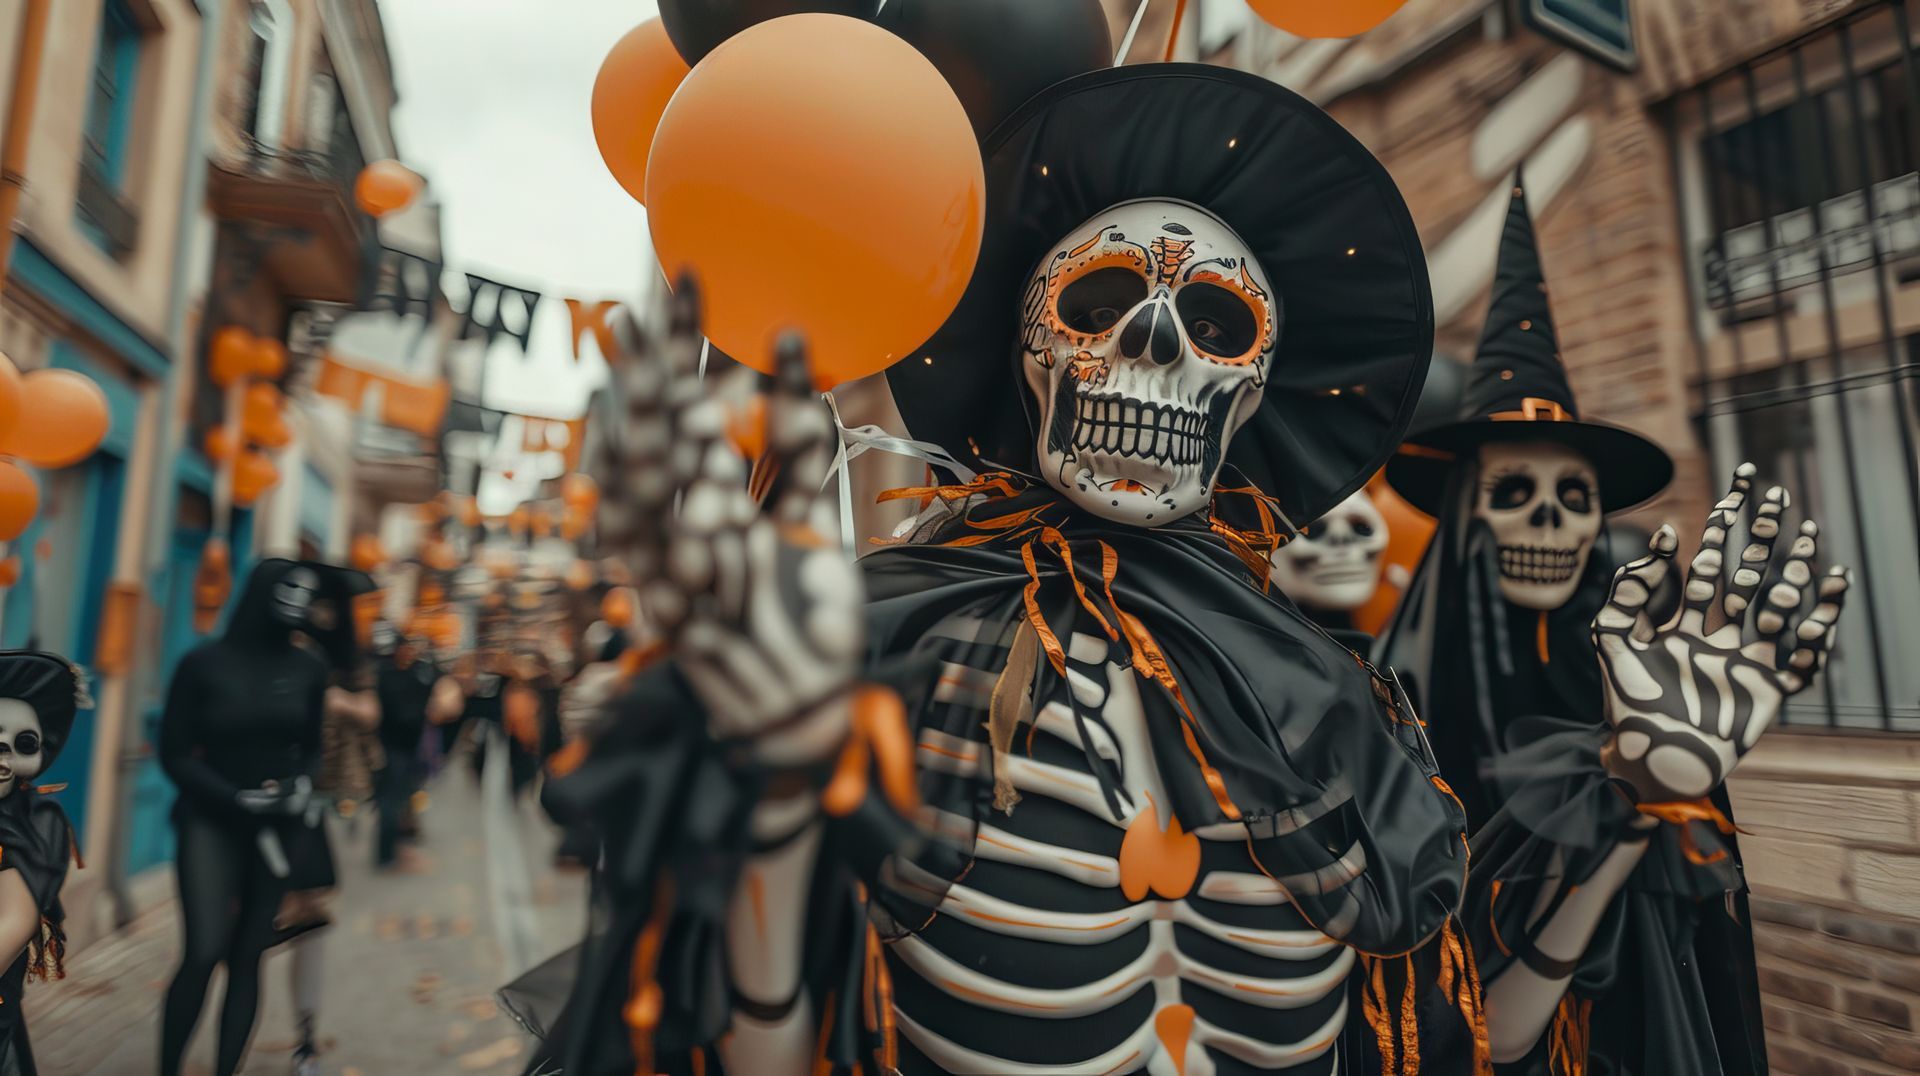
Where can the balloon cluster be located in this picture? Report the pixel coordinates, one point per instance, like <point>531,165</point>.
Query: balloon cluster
<point>816,166</point>
<point>48,418</point>
<point>238,356</point>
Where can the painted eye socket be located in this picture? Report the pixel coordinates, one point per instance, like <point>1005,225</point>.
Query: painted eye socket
<point>1096,302</point>
<point>1576,494</point>
<point>1361,527</point>
<point>1217,321</point>
<point>1510,491</point>
<point>27,743</point>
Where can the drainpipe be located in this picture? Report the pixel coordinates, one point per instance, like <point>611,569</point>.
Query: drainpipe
<point>191,249</point>
<point>13,153</point>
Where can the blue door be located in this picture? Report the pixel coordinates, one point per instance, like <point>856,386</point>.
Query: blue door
<point>150,796</point>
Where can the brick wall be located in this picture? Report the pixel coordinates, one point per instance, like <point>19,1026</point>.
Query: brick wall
<point>1832,853</point>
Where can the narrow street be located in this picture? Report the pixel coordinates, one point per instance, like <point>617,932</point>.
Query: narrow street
<point>410,964</point>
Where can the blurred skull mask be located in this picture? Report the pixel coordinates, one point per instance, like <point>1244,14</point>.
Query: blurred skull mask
<point>21,755</point>
<point>1146,336</point>
<point>1334,565</point>
<point>293,596</point>
<point>1542,501</point>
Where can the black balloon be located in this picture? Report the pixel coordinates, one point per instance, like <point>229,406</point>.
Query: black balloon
<point>998,53</point>
<point>696,27</point>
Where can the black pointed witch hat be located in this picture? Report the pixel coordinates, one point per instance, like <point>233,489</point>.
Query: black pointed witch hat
<point>1517,390</point>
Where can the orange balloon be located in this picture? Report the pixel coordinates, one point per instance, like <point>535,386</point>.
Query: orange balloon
<point>219,444</point>
<point>12,392</point>
<point>519,520</point>
<point>1408,532</point>
<point>63,418</point>
<point>1325,18</point>
<point>635,82</point>
<point>824,134</point>
<point>230,356</point>
<point>9,571</point>
<point>385,186</point>
<point>367,553</point>
<point>575,523</point>
<point>616,608</point>
<point>439,555</point>
<point>253,475</point>
<point>580,492</point>
<point>276,435</point>
<point>580,575</point>
<point>260,418</point>
<point>541,521</point>
<point>269,358</point>
<point>19,500</point>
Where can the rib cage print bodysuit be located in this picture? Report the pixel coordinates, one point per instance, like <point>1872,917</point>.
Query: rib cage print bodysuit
<point>1095,933</point>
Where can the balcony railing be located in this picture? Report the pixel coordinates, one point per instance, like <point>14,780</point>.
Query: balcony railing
<point>1797,247</point>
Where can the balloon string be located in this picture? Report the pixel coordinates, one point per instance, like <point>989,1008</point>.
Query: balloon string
<point>1126,43</point>
<point>1173,35</point>
<point>706,346</point>
<point>840,472</point>
<point>882,7</point>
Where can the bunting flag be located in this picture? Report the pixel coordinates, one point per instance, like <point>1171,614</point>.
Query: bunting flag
<point>485,313</point>
<point>415,406</point>
<point>593,318</point>
<point>402,282</point>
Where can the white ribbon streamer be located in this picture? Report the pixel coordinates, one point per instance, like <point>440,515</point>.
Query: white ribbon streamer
<point>856,441</point>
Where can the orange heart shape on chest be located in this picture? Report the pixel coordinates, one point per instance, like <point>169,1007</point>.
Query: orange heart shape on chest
<point>1164,862</point>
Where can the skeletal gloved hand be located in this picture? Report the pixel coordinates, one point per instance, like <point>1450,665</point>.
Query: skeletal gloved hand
<point>1689,699</point>
<point>761,609</point>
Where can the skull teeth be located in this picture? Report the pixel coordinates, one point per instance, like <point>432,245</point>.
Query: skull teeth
<point>1538,564</point>
<point>1117,426</point>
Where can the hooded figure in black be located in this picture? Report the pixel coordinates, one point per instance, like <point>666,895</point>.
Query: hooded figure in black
<point>1496,642</point>
<point>240,737</point>
<point>1166,817</point>
<point>40,695</point>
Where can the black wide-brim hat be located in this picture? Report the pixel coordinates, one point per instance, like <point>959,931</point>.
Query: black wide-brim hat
<point>1632,469</point>
<point>1321,214</point>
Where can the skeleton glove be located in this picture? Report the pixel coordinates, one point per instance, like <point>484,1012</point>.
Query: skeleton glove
<point>761,610</point>
<point>1689,699</point>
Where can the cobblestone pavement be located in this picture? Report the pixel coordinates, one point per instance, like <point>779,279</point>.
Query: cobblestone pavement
<point>411,964</point>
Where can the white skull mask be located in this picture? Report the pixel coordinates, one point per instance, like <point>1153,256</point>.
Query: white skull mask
<point>1542,500</point>
<point>1147,334</point>
<point>1334,565</point>
<point>22,748</point>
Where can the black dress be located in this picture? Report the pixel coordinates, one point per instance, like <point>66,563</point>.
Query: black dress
<point>37,841</point>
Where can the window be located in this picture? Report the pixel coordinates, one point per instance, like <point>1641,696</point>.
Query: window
<point>116,67</point>
<point>269,46</point>
<point>102,210</point>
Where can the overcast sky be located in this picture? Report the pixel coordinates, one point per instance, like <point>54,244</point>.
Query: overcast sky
<point>494,112</point>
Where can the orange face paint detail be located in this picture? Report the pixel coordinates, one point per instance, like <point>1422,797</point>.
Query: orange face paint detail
<point>1165,862</point>
<point>1168,256</point>
<point>1174,1026</point>
<point>1086,366</point>
<point>1128,485</point>
<point>1251,294</point>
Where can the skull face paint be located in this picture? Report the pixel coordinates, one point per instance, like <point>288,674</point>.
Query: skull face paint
<point>21,757</point>
<point>1542,501</point>
<point>1146,336</point>
<point>1334,565</point>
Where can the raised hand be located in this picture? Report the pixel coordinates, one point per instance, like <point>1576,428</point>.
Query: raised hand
<point>1689,699</point>
<point>761,611</point>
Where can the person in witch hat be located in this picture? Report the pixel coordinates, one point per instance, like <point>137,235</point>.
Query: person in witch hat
<point>40,696</point>
<point>1123,806</point>
<point>1605,870</point>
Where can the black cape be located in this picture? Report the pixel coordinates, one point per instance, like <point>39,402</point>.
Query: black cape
<point>37,841</point>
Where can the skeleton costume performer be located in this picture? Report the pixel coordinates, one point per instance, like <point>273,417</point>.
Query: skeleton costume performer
<point>1167,825</point>
<point>1493,642</point>
<point>40,694</point>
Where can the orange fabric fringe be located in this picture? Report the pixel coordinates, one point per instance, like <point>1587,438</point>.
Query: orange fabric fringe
<point>1568,1042</point>
<point>1682,813</point>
